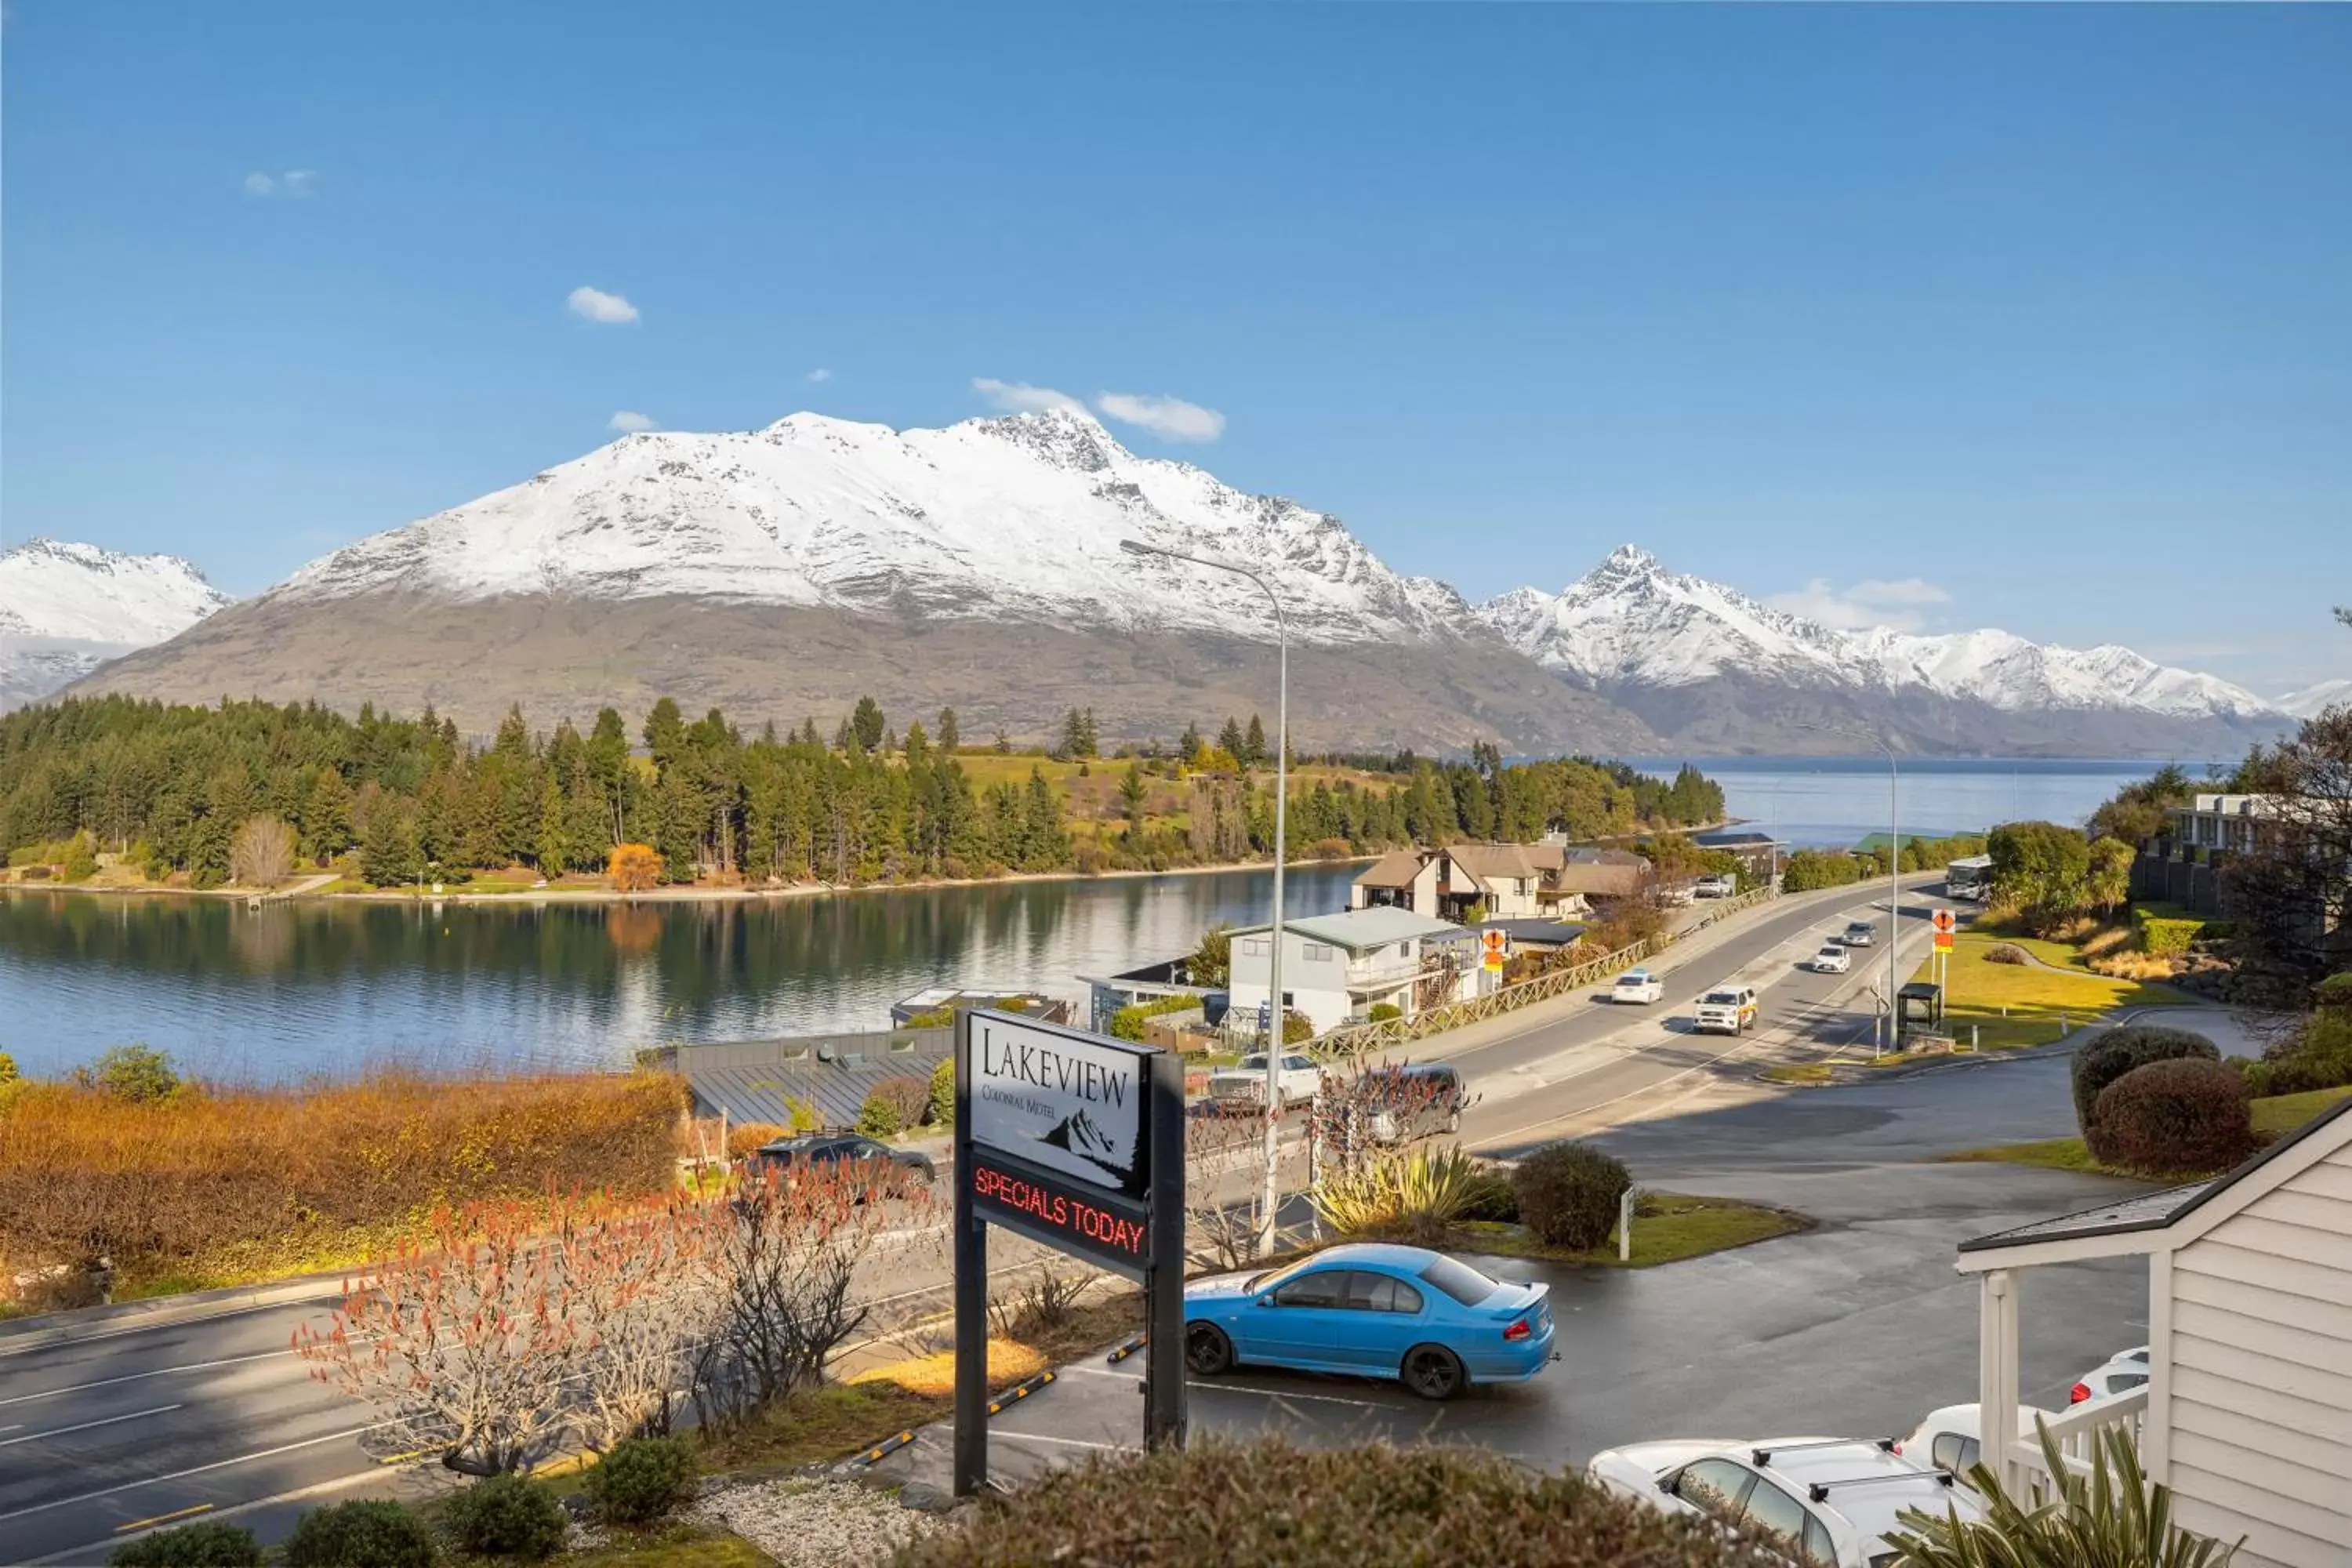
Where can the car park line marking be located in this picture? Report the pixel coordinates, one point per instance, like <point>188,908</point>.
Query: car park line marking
<point>1066,1442</point>
<point>192,1470</point>
<point>85,1426</point>
<point>1281,1394</point>
<point>135,1376</point>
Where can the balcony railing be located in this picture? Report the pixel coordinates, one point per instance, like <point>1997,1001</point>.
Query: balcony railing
<point>2078,1434</point>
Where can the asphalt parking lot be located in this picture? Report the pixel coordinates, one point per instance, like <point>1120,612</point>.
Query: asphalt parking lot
<point>1857,1328</point>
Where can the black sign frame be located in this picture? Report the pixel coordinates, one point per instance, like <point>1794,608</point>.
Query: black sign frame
<point>1139,1235</point>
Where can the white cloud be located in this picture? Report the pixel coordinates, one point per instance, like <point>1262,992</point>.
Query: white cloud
<point>299,182</point>
<point>1019,397</point>
<point>1169,418</point>
<point>820,376</point>
<point>598,306</point>
<point>294,183</point>
<point>260,185</point>
<point>628,421</point>
<point>1899,605</point>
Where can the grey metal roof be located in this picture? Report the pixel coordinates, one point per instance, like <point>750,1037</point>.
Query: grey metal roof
<point>759,1081</point>
<point>1558,933</point>
<point>1359,929</point>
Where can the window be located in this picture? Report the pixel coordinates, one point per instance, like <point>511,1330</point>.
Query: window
<point>1818,1552</point>
<point>2120,1380</point>
<point>1370,1292</point>
<point>1320,1288</point>
<point>1318,953</point>
<point>1254,947</point>
<point>1716,1486</point>
<point>1459,1280</point>
<point>1956,1453</point>
<point>1780,1516</point>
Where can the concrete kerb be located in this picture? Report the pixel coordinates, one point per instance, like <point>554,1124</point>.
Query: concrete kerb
<point>1954,1061</point>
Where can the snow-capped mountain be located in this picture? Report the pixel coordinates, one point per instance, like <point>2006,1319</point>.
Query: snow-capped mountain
<point>1017,517</point>
<point>1630,623</point>
<point>65,609</point>
<point>2312,700</point>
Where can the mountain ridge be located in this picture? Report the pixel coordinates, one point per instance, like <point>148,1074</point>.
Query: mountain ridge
<point>66,608</point>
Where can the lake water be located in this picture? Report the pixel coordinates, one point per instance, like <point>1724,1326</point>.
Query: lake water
<point>1831,802</point>
<point>328,986</point>
<point>304,987</point>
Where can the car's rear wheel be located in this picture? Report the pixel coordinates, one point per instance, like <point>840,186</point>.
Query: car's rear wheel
<point>1207,1351</point>
<point>1432,1372</point>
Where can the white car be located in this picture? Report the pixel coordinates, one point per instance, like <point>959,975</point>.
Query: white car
<point>1952,1438</point>
<point>1726,1010</point>
<point>2119,1374</point>
<point>1243,1088</point>
<point>1833,959</point>
<point>1825,1503</point>
<point>1716,887</point>
<point>1638,985</point>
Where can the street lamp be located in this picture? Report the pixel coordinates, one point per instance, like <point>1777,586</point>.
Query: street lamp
<point>1275,1013</point>
<point>1894,876</point>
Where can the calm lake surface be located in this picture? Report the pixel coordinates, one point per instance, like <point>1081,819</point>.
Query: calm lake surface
<point>318,986</point>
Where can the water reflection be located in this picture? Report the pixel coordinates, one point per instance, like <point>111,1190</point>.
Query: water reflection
<point>294,988</point>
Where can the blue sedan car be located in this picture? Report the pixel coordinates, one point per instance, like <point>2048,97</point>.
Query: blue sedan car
<point>1430,1321</point>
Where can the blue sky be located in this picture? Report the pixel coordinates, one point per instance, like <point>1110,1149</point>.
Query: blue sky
<point>2025,316</point>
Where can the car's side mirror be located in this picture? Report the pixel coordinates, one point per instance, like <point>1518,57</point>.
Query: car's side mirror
<point>1265,1300</point>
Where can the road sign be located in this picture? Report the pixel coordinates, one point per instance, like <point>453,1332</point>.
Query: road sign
<point>1076,1141</point>
<point>1943,942</point>
<point>1265,1016</point>
<point>1945,922</point>
<point>1493,948</point>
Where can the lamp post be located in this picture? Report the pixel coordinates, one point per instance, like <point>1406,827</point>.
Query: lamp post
<point>1894,876</point>
<point>1276,1013</point>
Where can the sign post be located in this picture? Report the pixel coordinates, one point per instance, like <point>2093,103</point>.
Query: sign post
<point>1074,1141</point>
<point>1946,922</point>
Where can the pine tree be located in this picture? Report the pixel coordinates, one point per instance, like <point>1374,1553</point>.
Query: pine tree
<point>949,736</point>
<point>1229,741</point>
<point>1189,744</point>
<point>327,817</point>
<point>1255,742</point>
<point>554,831</point>
<point>844,738</point>
<point>1088,746</point>
<point>866,724</point>
<point>1131,794</point>
<point>1074,735</point>
<point>919,744</point>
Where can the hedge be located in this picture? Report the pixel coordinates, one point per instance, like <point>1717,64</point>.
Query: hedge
<point>2179,1118</point>
<point>2162,936</point>
<point>2118,1051</point>
<point>1271,1504</point>
<point>1126,1024</point>
<point>1568,1193</point>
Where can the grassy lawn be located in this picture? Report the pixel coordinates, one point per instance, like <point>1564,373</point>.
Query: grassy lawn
<point>1667,1229</point>
<point>2274,1118</point>
<point>2018,1005</point>
<point>1798,1073</point>
<point>674,1546</point>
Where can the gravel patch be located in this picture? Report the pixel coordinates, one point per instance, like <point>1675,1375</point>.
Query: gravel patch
<point>807,1523</point>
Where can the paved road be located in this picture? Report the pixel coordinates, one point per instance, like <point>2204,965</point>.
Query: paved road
<point>138,1421</point>
<point>1857,1328</point>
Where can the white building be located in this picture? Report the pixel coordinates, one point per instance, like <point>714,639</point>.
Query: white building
<point>1336,968</point>
<point>2247,1414</point>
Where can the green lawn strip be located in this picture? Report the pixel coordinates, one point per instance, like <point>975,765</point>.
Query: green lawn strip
<point>2014,1005</point>
<point>1798,1073</point>
<point>2273,1117</point>
<point>1668,1227</point>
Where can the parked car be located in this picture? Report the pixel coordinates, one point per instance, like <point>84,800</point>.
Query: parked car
<point>1412,1101</point>
<point>1242,1087</point>
<point>785,1154</point>
<point>1824,1503</point>
<point>1833,959</point>
<point>2119,1374</point>
<point>1372,1309</point>
<point>1726,1010</point>
<point>1722,885</point>
<point>1951,1439</point>
<point>1638,985</point>
<point>1860,934</point>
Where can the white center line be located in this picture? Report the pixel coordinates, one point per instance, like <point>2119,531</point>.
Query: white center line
<point>135,1376</point>
<point>192,1470</point>
<point>85,1426</point>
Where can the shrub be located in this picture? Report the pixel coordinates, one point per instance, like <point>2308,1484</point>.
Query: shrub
<point>508,1516</point>
<point>137,1073</point>
<point>2184,1117</point>
<point>2162,937</point>
<point>748,1137</point>
<point>1126,1024</point>
<point>942,1106</point>
<point>1417,1196</point>
<point>1492,1197</point>
<point>907,1095</point>
<point>1381,1011</point>
<point>2319,1056</point>
<point>212,1544</point>
<point>2118,1051</point>
<point>1568,1195</point>
<point>367,1532</point>
<point>1273,1505</point>
<point>2334,994</point>
<point>641,1480</point>
<point>2005,952</point>
<point>878,1116</point>
<point>81,862</point>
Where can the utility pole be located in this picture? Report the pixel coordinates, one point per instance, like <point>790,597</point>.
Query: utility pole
<point>1277,1015</point>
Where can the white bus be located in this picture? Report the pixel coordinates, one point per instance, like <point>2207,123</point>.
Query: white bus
<point>1970,879</point>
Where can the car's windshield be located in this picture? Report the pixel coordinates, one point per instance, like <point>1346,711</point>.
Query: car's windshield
<point>1276,1277</point>
<point>1461,1281</point>
<point>1723,998</point>
<point>1253,1063</point>
<point>1637,977</point>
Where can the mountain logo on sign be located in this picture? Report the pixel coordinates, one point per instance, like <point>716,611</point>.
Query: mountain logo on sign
<point>1078,1134</point>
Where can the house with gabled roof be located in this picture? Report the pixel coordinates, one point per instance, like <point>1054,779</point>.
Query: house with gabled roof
<point>2247,1414</point>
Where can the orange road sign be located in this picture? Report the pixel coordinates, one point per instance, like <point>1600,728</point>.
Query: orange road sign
<point>1945,922</point>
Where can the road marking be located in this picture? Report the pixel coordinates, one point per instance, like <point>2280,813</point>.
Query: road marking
<point>85,1426</point>
<point>135,1376</point>
<point>169,1323</point>
<point>83,1553</point>
<point>1066,1442</point>
<point>192,1470</point>
<point>164,1518</point>
<point>1284,1393</point>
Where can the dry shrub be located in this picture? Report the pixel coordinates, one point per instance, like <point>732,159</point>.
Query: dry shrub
<point>2077,928</point>
<point>2127,966</point>
<point>750,1137</point>
<point>2005,952</point>
<point>235,1181</point>
<point>2107,941</point>
<point>908,1096</point>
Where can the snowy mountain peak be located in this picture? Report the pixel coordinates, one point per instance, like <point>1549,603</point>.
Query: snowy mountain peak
<point>1631,622</point>
<point>2314,699</point>
<point>66,608</point>
<point>1013,517</point>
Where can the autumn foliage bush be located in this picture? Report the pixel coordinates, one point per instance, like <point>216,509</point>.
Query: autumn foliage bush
<point>210,1181</point>
<point>2183,1117</point>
